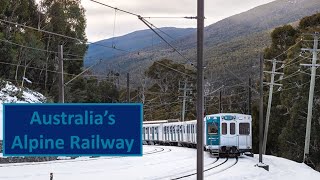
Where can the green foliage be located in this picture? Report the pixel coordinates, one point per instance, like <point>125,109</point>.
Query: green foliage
<point>289,106</point>
<point>162,97</point>
<point>59,16</point>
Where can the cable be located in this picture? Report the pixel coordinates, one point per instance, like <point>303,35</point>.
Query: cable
<point>114,27</point>
<point>172,17</point>
<point>147,23</point>
<point>37,49</point>
<point>287,49</point>
<point>173,69</point>
<point>30,67</point>
<point>114,8</point>
<point>61,35</point>
<point>161,31</point>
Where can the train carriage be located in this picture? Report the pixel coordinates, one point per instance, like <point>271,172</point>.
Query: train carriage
<point>228,133</point>
<point>224,134</point>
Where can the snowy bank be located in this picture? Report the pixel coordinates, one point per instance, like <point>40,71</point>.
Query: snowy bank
<point>9,93</point>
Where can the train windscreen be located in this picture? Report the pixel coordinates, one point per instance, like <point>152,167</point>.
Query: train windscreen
<point>213,128</point>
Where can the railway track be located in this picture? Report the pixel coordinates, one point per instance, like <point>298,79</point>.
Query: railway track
<point>154,151</point>
<point>209,169</point>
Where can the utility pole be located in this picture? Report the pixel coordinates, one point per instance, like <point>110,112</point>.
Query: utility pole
<point>184,100</point>
<point>186,89</point>
<point>273,73</point>
<point>138,95</point>
<point>200,117</point>
<point>220,102</point>
<point>261,110</point>
<point>128,87</point>
<point>249,97</point>
<point>261,165</point>
<point>61,79</point>
<point>314,66</point>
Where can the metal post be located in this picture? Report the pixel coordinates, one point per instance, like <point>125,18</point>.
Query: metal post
<point>261,110</point>
<point>200,32</point>
<point>265,137</point>
<point>61,79</point>
<point>128,87</point>
<point>184,100</point>
<point>311,93</point>
<point>249,97</point>
<point>220,102</point>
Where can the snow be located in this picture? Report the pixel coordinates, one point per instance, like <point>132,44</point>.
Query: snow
<point>8,94</point>
<point>158,162</point>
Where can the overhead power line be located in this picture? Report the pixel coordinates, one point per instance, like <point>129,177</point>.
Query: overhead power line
<point>168,17</point>
<point>37,49</point>
<point>31,67</point>
<point>61,35</point>
<point>147,23</point>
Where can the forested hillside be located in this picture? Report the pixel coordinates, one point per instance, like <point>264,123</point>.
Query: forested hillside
<point>28,54</point>
<point>236,40</point>
<point>290,103</point>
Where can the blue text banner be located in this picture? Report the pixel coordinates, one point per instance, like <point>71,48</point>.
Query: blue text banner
<point>72,129</point>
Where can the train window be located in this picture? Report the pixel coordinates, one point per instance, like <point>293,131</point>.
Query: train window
<point>244,128</point>
<point>144,130</point>
<point>224,128</point>
<point>212,128</point>
<point>232,128</point>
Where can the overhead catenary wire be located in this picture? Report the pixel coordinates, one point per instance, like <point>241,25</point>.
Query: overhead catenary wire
<point>149,26</point>
<point>169,17</point>
<point>147,23</point>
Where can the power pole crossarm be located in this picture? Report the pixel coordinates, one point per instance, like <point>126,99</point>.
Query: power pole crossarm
<point>314,66</point>
<point>273,73</point>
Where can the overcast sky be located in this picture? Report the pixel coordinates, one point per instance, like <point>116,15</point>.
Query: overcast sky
<point>100,19</point>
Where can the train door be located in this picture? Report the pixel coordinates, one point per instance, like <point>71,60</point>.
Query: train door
<point>188,133</point>
<point>144,134</point>
<point>183,132</point>
<point>178,132</point>
<point>148,135</point>
<point>157,133</point>
<point>213,131</point>
<point>151,133</point>
<point>171,133</point>
<point>168,133</point>
<point>192,132</point>
<point>244,135</point>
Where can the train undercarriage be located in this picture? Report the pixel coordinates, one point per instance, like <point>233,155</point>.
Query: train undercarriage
<point>223,151</point>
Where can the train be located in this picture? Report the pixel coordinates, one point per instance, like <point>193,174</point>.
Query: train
<point>225,134</point>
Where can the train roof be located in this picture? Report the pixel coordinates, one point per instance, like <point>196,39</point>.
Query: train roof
<point>224,114</point>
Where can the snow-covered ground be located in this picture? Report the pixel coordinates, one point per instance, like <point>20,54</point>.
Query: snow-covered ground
<point>158,162</point>
<point>9,94</point>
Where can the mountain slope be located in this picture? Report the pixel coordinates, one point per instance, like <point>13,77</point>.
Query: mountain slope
<point>247,27</point>
<point>130,42</point>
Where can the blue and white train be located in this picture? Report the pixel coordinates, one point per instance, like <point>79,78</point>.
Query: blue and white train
<point>224,134</point>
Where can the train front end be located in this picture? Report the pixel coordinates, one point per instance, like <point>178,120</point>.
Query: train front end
<point>228,134</point>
